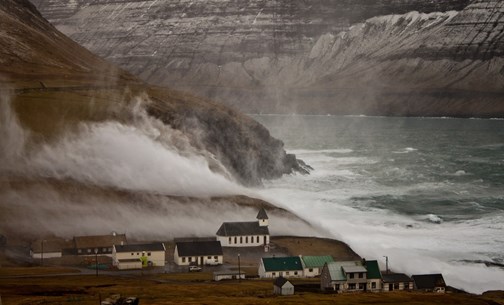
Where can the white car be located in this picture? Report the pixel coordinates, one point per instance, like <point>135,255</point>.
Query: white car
<point>194,269</point>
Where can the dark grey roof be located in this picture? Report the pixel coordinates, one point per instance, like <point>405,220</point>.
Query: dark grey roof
<point>280,281</point>
<point>396,278</point>
<point>242,229</point>
<point>140,247</point>
<point>429,281</point>
<point>199,248</point>
<point>130,260</point>
<point>262,214</point>
<point>99,241</point>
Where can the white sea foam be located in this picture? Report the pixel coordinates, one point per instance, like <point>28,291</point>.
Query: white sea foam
<point>321,151</point>
<point>414,244</point>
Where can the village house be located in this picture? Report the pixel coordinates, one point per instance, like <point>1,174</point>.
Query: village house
<point>48,248</point>
<point>281,286</point>
<point>228,275</point>
<point>345,276</point>
<point>101,244</point>
<point>312,265</point>
<point>245,234</point>
<point>396,281</point>
<point>272,267</point>
<point>429,282</point>
<point>374,276</point>
<point>127,256</point>
<point>198,253</point>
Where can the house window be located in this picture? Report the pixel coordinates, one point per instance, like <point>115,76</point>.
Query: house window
<point>351,286</point>
<point>273,273</point>
<point>183,259</point>
<point>373,285</point>
<point>361,286</point>
<point>215,257</point>
<point>132,253</point>
<point>310,270</point>
<point>138,253</point>
<point>235,240</point>
<point>79,251</point>
<point>257,239</point>
<point>351,275</point>
<point>246,240</point>
<point>209,257</point>
<point>361,275</point>
<point>287,273</point>
<point>295,273</point>
<point>110,249</point>
<point>230,240</point>
<point>241,240</point>
<point>396,286</point>
<point>148,254</point>
<point>104,250</point>
<point>88,250</point>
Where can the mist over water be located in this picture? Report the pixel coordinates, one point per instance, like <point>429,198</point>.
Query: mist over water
<point>427,193</point>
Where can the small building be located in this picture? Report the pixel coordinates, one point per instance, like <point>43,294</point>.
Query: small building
<point>48,248</point>
<point>148,254</point>
<point>245,234</point>
<point>272,267</point>
<point>374,276</point>
<point>128,263</point>
<point>396,281</point>
<point>103,244</point>
<point>198,253</point>
<point>228,275</point>
<point>312,265</point>
<point>430,282</point>
<point>343,276</point>
<point>281,286</point>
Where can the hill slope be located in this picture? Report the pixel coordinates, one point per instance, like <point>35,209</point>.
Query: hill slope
<point>75,131</point>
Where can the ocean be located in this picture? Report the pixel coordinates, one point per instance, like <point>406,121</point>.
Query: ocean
<point>428,193</point>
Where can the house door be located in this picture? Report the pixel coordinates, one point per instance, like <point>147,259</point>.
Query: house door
<point>264,237</point>
<point>202,260</point>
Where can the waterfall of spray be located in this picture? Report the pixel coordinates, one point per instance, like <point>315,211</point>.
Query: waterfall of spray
<point>143,154</point>
<point>12,135</point>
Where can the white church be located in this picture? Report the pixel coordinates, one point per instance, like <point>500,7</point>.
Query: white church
<point>245,234</point>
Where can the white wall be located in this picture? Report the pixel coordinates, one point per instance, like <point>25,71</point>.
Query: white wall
<point>157,257</point>
<point>243,241</point>
<point>46,255</point>
<point>315,272</point>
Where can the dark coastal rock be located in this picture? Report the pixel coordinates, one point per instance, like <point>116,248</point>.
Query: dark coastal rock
<point>313,56</point>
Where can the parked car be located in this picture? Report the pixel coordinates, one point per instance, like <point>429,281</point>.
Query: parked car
<point>194,269</point>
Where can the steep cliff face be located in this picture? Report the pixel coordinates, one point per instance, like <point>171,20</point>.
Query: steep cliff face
<point>55,86</point>
<point>358,57</point>
<point>434,64</point>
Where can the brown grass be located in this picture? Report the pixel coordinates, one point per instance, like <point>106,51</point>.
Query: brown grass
<point>22,271</point>
<point>194,288</point>
<point>315,246</point>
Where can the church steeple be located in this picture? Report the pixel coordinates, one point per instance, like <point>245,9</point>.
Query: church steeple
<point>262,217</point>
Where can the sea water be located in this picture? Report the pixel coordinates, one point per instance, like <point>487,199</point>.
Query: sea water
<point>428,193</point>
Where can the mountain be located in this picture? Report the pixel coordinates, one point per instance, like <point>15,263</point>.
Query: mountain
<point>55,82</point>
<point>340,57</point>
<point>87,148</point>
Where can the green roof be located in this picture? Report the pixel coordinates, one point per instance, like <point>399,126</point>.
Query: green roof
<point>336,269</point>
<point>316,261</point>
<point>282,263</point>
<point>373,270</point>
